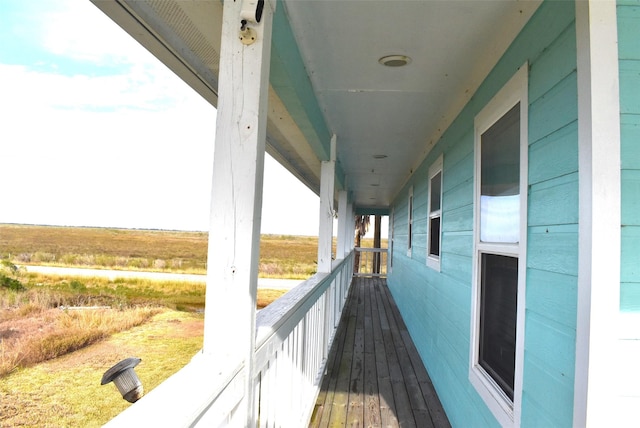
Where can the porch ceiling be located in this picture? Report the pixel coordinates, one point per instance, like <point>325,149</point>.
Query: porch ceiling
<point>326,78</point>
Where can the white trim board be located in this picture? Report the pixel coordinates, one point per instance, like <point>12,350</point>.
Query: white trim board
<point>599,221</point>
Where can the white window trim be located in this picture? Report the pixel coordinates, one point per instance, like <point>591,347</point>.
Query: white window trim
<point>506,412</point>
<point>434,261</point>
<point>410,218</point>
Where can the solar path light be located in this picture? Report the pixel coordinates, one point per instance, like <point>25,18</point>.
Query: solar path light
<point>126,379</point>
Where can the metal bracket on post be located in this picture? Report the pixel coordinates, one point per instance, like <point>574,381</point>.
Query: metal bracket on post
<point>251,14</point>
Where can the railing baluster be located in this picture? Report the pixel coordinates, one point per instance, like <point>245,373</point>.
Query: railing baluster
<point>367,258</point>
<point>293,345</point>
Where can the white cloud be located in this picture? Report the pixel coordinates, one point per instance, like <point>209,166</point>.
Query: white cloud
<point>79,30</point>
<point>131,147</point>
<point>136,165</point>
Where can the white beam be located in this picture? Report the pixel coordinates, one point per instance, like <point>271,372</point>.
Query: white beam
<point>236,195</point>
<point>599,221</point>
<point>327,210</point>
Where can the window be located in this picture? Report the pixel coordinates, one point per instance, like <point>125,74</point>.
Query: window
<point>410,222</point>
<point>499,250</point>
<point>435,215</point>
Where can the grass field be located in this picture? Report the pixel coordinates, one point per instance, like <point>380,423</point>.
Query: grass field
<point>281,256</point>
<point>53,355</point>
<point>66,391</point>
<point>59,335</point>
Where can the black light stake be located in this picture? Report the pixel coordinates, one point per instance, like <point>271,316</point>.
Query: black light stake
<point>126,379</point>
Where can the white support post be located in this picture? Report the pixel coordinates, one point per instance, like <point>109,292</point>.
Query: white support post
<point>236,197</point>
<point>351,230</point>
<point>327,212</point>
<point>599,222</point>
<point>343,225</point>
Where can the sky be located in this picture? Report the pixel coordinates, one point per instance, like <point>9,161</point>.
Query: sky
<point>95,131</point>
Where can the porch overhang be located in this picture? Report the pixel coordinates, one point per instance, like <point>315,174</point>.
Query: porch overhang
<point>326,78</point>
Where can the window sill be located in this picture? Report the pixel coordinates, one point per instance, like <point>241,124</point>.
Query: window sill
<point>433,263</point>
<point>498,403</point>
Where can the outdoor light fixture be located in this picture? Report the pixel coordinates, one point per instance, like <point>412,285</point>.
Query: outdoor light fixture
<point>394,60</point>
<point>126,379</point>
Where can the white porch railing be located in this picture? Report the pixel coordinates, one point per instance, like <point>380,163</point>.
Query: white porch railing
<point>367,259</point>
<point>293,341</point>
<point>293,338</point>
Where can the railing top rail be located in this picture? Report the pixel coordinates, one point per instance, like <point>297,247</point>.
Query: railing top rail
<point>376,250</point>
<point>281,316</point>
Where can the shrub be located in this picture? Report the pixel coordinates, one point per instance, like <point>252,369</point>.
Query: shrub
<point>62,343</point>
<point>138,263</point>
<point>270,269</point>
<point>10,283</point>
<point>105,260</point>
<point>24,258</point>
<point>7,266</point>
<point>76,285</point>
<point>42,257</point>
<point>122,261</point>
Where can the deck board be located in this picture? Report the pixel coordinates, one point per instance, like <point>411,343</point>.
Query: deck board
<point>374,376</point>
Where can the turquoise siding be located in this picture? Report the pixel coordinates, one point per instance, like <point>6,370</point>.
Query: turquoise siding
<point>629,53</point>
<point>437,306</point>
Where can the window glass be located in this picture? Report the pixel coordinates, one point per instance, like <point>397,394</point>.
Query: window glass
<point>500,180</point>
<point>435,214</point>
<point>499,291</point>
<point>434,236</point>
<point>436,186</point>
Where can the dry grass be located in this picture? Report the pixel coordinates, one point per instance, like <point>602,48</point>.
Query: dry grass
<point>284,256</point>
<point>104,247</point>
<point>35,326</point>
<point>34,331</point>
<point>267,296</point>
<point>281,256</point>
<point>51,359</point>
<point>66,392</point>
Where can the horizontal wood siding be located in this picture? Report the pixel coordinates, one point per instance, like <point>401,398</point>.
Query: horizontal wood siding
<point>420,206</point>
<point>629,51</point>
<point>400,225</point>
<point>629,343</point>
<point>437,305</point>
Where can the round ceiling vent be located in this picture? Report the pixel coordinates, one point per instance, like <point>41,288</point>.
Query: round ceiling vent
<point>394,60</point>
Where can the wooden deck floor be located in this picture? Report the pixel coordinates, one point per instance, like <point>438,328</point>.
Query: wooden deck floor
<point>375,377</point>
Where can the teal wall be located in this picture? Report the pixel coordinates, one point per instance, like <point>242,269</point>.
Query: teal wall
<point>437,306</point>
<point>629,52</point>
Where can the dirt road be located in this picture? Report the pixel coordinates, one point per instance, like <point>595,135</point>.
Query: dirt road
<point>277,284</point>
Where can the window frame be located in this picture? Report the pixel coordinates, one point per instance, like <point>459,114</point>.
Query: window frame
<point>506,411</point>
<point>410,206</point>
<point>433,261</point>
